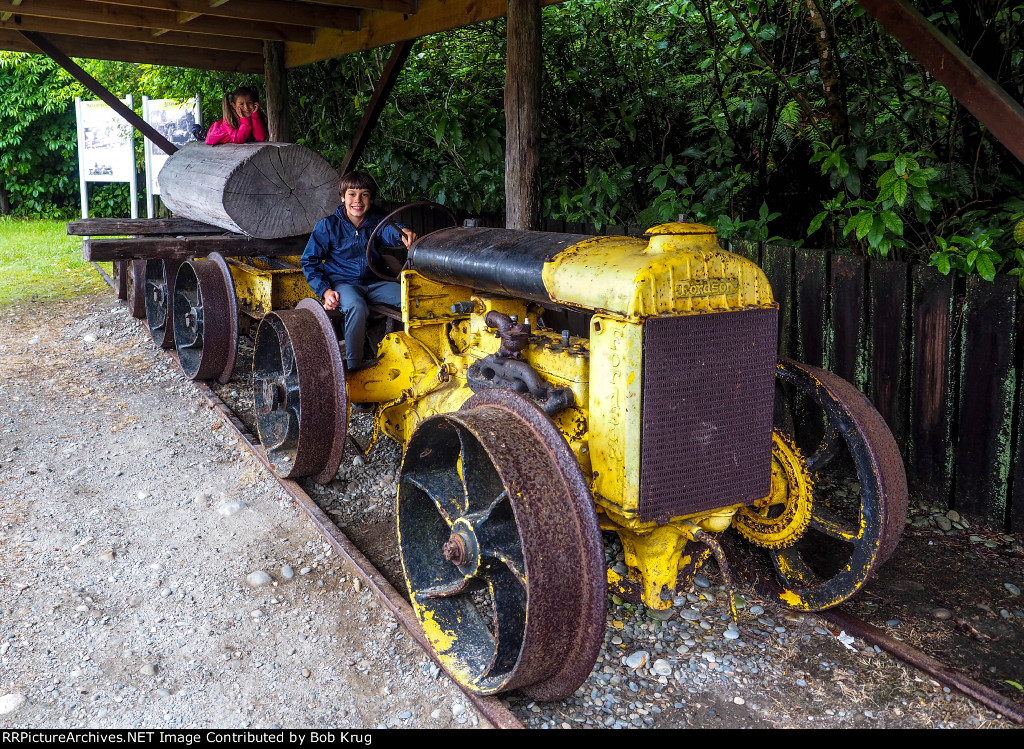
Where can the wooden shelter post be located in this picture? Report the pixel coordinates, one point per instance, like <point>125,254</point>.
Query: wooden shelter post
<point>522,115</point>
<point>276,105</point>
<point>46,47</point>
<point>968,83</point>
<point>380,96</point>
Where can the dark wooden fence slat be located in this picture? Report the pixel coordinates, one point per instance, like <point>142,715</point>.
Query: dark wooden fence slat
<point>986,397</point>
<point>778,267</point>
<point>811,306</point>
<point>1015,521</point>
<point>932,378</point>
<point>887,383</point>
<point>846,354</point>
<point>746,248</point>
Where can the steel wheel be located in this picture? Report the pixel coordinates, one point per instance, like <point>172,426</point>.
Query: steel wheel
<point>299,392</point>
<point>501,548</point>
<point>205,316</point>
<point>858,504</point>
<point>136,288</point>
<point>159,293</point>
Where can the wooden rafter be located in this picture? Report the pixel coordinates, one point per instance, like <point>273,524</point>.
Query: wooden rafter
<point>160,20</point>
<point>129,34</point>
<point>340,16</point>
<point>159,54</point>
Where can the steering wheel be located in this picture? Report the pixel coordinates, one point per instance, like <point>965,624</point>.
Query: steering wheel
<point>386,221</point>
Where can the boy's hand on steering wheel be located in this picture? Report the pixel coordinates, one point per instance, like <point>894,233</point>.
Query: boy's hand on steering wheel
<point>408,237</point>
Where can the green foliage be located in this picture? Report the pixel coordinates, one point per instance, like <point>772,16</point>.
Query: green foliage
<point>38,154</point>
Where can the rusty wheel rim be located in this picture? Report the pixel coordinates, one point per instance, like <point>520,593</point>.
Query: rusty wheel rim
<point>501,549</point>
<point>848,536</point>
<point>340,394</point>
<point>136,288</point>
<point>159,293</point>
<point>205,319</point>
<point>293,393</point>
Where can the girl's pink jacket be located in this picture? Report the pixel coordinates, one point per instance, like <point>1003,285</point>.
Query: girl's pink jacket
<point>249,128</point>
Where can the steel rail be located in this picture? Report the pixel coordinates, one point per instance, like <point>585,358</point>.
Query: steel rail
<point>936,669</point>
<point>491,708</point>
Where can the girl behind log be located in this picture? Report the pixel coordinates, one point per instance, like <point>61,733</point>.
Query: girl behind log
<point>242,122</point>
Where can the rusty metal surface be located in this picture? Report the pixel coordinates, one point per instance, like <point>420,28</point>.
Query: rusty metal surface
<point>502,261</point>
<point>293,390</point>
<point>707,411</point>
<point>847,537</point>
<point>938,670</point>
<point>205,318</point>
<point>159,292</point>
<point>497,483</point>
<point>339,423</point>
<point>490,707</point>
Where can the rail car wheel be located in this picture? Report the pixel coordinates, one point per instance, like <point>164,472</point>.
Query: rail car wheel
<point>136,288</point>
<point>501,548</point>
<point>205,318</point>
<point>159,290</point>
<point>857,493</point>
<point>299,392</point>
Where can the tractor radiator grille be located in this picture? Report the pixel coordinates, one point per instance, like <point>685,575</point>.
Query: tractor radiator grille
<point>708,389</point>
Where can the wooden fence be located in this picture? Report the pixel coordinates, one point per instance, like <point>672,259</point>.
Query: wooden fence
<point>937,356</point>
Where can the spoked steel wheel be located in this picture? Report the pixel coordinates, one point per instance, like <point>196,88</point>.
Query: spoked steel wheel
<point>159,291</point>
<point>299,392</point>
<point>501,548</point>
<point>135,288</point>
<point>205,315</point>
<point>854,480</point>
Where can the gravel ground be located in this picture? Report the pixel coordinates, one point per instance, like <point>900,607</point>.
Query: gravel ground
<point>132,525</point>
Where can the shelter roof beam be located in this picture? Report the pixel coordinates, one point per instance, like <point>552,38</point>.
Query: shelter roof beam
<point>122,15</point>
<point>269,11</point>
<point>153,53</point>
<point>130,34</point>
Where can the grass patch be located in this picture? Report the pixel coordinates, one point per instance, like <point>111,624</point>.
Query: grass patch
<point>39,262</point>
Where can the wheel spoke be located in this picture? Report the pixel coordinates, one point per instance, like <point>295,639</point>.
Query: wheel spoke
<point>498,538</point>
<point>444,490</point>
<point>483,486</point>
<point>508,593</point>
<point>461,585</point>
<point>831,525</point>
<point>792,570</point>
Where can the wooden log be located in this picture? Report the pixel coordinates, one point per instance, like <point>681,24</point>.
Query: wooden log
<point>115,227</point>
<point>187,247</point>
<point>263,190</point>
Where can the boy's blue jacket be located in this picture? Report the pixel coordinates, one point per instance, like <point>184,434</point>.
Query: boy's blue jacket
<point>336,251</point>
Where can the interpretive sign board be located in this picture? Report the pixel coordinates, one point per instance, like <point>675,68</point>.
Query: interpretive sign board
<point>174,120</point>
<point>105,149</point>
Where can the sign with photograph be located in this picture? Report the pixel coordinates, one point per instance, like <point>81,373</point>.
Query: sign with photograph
<point>105,151</point>
<point>174,120</point>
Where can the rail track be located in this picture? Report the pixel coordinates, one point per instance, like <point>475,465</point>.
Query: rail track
<point>492,708</point>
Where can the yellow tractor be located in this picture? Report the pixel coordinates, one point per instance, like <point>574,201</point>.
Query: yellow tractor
<point>672,423</point>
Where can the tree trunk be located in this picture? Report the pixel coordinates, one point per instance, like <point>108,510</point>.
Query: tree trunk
<point>831,73</point>
<point>263,190</point>
<point>5,203</point>
<point>522,115</point>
